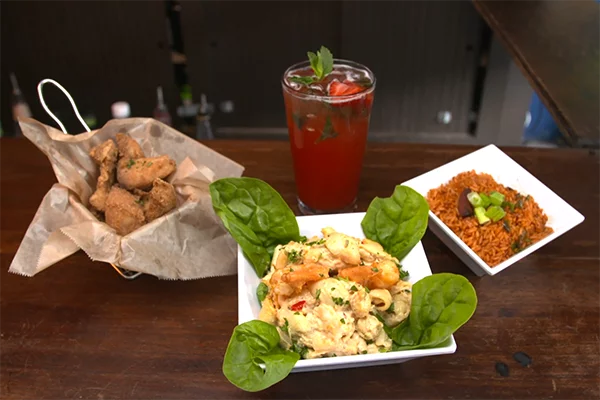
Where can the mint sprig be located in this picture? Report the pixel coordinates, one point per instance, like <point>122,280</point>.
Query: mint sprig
<point>321,64</point>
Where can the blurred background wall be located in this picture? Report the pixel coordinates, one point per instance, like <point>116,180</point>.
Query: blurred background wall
<point>441,77</point>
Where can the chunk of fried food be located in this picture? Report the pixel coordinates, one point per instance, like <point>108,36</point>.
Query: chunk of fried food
<point>123,211</point>
<point>128,147</point>
<point>159,201</point>
<point>105,155</point>
<point>141,172</point>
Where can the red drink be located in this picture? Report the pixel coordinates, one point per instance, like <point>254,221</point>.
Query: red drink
<point>328,122</point>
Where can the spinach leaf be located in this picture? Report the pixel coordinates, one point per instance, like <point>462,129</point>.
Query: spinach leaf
<point>251,344</point>
<point>261,292</point>
<point>441,303</point>
<point>256,216</point>
<point>397,222</point>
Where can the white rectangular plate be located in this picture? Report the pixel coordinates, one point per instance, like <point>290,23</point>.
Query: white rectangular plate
<point>491,160</point>
<point>415,263</point>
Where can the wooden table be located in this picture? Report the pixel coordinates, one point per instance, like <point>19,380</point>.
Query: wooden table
<point>79,331</point>
<point>555,43</point>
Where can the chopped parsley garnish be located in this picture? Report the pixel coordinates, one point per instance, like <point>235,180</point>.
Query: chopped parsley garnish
<point>407,291</point>
<point>286,326</point>
<point>130,163</point>
<point>382,350</point>
<point>403,274</point>
<point>294,255</point>
<point>347,303</point>
<point>367,290</point>
<point>332,289</point>
<point>374,269</point>
<point>369,341</point>
<point>338,301</point>
<point>321,275</point>
<point>140,202</point>
<point>391,309</point>
<point>354,288</point>
<point>303,239</point>
<point>318,294</point>
<point>300,349</point>
<point>150,164</point>
<point>297,313</point>
<point>343,321</point>
<point>291,269</point>
<point>363,352</point>
<point>316,243</point>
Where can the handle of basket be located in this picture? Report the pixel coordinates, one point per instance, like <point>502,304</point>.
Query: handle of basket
<point>58,85</point>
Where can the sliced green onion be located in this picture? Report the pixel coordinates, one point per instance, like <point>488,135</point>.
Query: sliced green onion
<point>496,198</point>
<point>481,217</point>
<point>474,199</point>
<point>485,200</point>
<point>495,213</point>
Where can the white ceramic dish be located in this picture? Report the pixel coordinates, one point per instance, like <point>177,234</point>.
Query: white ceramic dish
<point>490,159</point>
<point>415,263</point>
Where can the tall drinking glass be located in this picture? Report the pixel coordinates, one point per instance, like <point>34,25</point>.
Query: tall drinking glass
<point>328,122</point>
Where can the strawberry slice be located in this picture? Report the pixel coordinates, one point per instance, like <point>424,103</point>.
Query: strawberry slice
<point>337,88</point>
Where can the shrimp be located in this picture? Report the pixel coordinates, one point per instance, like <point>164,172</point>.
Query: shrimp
<point>299,275</point>
<point>360,274</point>
<point>287,281</point>
<point>379,275</point>
<point>388,275</point>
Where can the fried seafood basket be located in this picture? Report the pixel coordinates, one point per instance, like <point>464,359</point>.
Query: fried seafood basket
<point>155,218</point>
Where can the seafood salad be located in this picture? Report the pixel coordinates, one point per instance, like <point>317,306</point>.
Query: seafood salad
<point>332,295</point>
<point>325,295</point>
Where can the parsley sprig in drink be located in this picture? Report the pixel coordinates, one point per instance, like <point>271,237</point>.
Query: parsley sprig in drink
<point>328,106</point>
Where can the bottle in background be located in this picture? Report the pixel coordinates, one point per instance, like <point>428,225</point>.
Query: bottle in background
<point>20,108</point>
<point>161,112</point>
<point>187,111</point>
<point>203,127</point>
<point>120,109</point>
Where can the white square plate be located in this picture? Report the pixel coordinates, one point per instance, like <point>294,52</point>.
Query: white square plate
<point>491,160</point>
<point>415,263</point>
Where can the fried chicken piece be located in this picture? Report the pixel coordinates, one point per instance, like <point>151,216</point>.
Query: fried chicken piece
<point>128,147</point>
<point>105,155</point>
<point>123,211</point>
<point>141,172</point>
<point>159,201</point>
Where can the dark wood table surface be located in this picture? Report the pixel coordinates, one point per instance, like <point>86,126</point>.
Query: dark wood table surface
<point>555,43</point>
<point>79,331</point>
